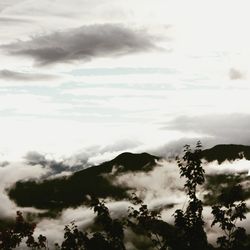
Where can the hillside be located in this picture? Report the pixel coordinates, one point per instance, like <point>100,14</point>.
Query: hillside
<point>224,152</point>
<point>72,191</point>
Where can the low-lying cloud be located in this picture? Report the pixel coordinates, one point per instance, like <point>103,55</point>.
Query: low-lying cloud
<point>227,167</point>
<point>10,173</point>
<point>84,43</point>
<point>158,188</point>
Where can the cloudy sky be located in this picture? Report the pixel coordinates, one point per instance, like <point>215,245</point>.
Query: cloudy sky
<point>110,75</point>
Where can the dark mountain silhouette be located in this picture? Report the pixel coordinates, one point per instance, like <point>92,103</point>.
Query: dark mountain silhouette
<point>97,180</point>
<point>226,152</point>
<point>72,191</point>
<point>125,162</point>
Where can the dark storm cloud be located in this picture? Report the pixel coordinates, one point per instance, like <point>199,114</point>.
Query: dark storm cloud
<point>235,74</point>
<point>18,76</point>
<point>83,43</point>
<point>224,128</point>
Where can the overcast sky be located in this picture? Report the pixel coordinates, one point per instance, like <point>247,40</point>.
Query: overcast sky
<point>111,75</point>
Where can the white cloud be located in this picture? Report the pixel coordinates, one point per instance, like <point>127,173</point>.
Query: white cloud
<point>226,167</point>
<point>159,187</point>
<point>9,175</point>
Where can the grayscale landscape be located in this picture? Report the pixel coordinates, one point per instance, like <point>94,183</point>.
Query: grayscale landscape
<point>124,125</point>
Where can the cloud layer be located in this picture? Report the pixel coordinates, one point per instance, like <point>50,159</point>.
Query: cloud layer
<point>82,43</point>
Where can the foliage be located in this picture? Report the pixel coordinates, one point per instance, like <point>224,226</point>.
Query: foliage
<point>221,187</point>
<point>190,222</point>
<point>109,237</point>
<point>145,222</point>
<point>12,237</point>
<point>226,215</point>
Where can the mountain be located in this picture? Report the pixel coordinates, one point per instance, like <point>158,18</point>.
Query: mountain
<point>72,191</point>
<point>96,181</point>
<point>125,162</point>
<point>228,152</point>
<point>225,186</point>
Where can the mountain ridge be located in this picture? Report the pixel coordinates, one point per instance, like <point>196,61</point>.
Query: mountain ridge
<point>95,181</point>
<point>73,190</point>
<point>222,152</point>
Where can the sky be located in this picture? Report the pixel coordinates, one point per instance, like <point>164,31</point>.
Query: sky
<point>108,76</point>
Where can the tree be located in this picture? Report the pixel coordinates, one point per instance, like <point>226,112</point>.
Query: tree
<point>190,222</point>
<point>109,236</point>
<point>149,223</point>
<point>13,236</point>
<point>226,214</point>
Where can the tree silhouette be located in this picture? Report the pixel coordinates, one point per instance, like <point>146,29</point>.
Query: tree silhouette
<point>148,223</point>
<point>233,208</point>
<point>13,236</point>
<point>190,222</point>
<point>110,235</point>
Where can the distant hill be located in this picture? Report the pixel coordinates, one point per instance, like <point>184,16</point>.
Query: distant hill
<point>224,152</point>
<point>72,191</point>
